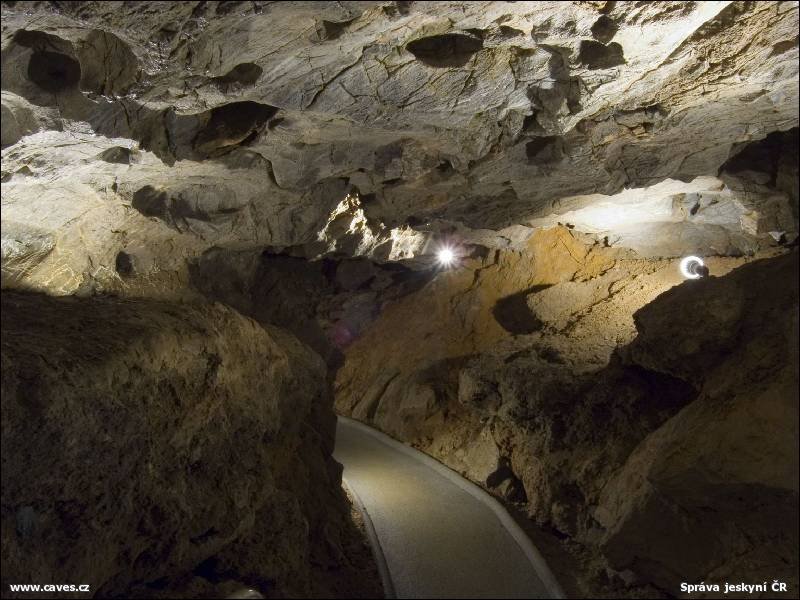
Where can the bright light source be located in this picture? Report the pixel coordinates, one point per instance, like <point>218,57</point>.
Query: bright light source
<point>693,267</point>
<point>446,256</point>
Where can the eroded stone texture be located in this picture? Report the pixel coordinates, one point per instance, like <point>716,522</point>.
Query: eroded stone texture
<point>512,374</point>
<point>303,162</point>
<point>327,304</point>
<point>253,121</point>
<point>145,440</point>
<point>712,494</point>
<point>562,285</point>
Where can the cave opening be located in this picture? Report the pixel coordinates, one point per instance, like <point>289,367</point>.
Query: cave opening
<point>53,72</point>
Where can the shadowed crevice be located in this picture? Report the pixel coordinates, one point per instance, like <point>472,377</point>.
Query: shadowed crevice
<point>447,50</point>
<point>514,314</point>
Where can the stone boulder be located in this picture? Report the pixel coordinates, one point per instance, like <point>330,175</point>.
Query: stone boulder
<point>713,493</point>
<point>143,440</point>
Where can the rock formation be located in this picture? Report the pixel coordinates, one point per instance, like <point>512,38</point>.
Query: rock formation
<point>577,419</point>
<point>143,441</point>
<point>170,129</point>
<point>218,215</point>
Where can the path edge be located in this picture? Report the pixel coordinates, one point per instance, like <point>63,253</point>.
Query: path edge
<point>374,542</point>
<point>514,530</point>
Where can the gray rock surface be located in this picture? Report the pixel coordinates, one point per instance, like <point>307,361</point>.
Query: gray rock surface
<point>303,163</point>
<point>244,125</point>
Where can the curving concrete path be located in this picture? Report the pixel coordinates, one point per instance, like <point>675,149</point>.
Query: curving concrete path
<point>440,535</point>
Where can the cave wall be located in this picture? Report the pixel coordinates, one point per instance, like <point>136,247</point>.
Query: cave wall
<point>650,420</point>
<point>302,163</point>
<point>712,494</point>
<point>143,441</point>
<point>327,304</point>
<point>563,287</point>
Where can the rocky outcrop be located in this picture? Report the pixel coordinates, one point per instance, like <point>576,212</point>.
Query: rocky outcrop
<point>601,443</point>
<point>564,288</point>
<point>370,128</point>
<point>713,493</point>
<point>146,441</point>
<point>327,304</point>
<point>303,163</point>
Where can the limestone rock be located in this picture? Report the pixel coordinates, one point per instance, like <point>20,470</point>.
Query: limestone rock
<point>564,285</point>
<point>254,122</point>
<point>304,163</point>
<point>712,493</point>
<point>585,419</point>
<point>188,432</point>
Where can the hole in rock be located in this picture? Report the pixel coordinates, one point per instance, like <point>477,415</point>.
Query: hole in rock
<point>124,264</point>
<point>232,125</point>
<point>599,56</point>
<point>117,154</point>
<point>53,71</point>
<point>243,73</point>
<point>545,150</point>
<point>445,167</point>
<point>784,46</point>
<point>765,155</point>
<point>446,50</point>
<point>531,125</point>
<point>604,29</point>
<point>150,201</point>
<point>329,30</point>
<point>508,32</point>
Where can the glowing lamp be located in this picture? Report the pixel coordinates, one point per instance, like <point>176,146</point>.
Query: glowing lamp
<point>445,256</point>
<point>693,267</point>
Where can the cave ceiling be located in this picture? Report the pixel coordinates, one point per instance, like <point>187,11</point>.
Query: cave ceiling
<point>139,135</point>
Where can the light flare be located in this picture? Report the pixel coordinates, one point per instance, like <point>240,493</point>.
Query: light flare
<point>446,256</point>
<point>693,267</point>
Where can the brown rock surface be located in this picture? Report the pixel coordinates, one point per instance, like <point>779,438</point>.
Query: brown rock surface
<point>141,439</point>
<point>713,493</point>
<point>303,163</point>
<point>553,420</point>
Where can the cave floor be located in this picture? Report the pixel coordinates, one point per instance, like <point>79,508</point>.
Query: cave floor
<point>438,539</point>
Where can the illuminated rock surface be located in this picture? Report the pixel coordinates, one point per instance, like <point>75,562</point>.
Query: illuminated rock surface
<point>303,163</point>
<point>163,130</point>
<point>604,445</point>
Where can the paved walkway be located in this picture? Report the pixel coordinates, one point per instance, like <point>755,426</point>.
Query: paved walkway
<point>441,536</point>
